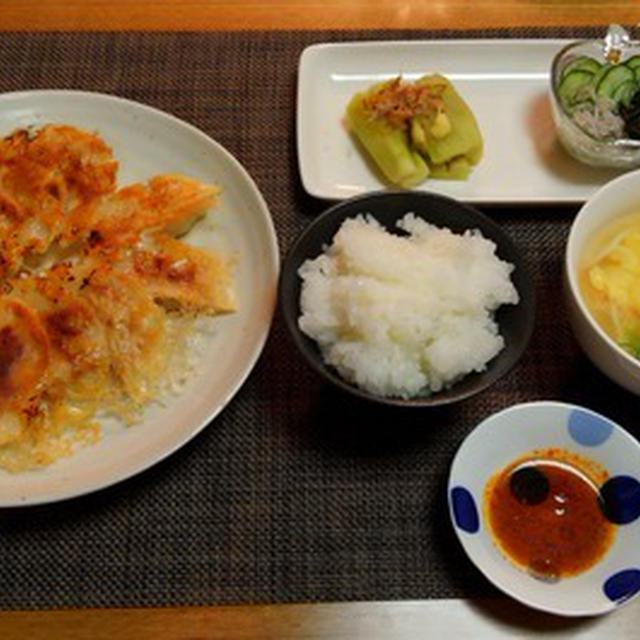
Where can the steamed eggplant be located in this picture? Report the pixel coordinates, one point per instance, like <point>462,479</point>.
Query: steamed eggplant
<point>387,144</point>
<point>413,130</point>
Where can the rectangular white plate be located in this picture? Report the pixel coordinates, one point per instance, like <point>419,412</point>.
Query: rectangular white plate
<point>505,82</point>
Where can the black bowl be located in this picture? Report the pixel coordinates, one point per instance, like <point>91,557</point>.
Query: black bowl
<point>515,321</point>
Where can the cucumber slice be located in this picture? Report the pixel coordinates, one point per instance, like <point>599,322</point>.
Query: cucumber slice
<point>581,63</point>
<point>598,75</point>
<point>612,79</point>
<point>633,62</point>
<point>624,92</point>
<point>570,85</point>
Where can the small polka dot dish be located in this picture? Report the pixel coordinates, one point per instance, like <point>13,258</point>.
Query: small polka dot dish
<point>545,500</point>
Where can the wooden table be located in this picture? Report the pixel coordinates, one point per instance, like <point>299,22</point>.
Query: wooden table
<point>398,620</point>
<point>309,14</point>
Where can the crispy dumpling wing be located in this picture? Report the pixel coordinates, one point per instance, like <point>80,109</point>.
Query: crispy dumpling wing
<point>71,164</point>
<point>43,177</point>
<point>97,293</point>
<point>171,202</point>
<point>24,359</point>
<point>79,358</point>
<point>183,277</point>
<point>24,350</point>
<point>135,330</point>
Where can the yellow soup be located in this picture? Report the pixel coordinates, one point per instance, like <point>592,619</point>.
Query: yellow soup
<point>610,280</point>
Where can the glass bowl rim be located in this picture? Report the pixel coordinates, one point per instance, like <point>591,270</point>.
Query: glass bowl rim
<point>621,143</point>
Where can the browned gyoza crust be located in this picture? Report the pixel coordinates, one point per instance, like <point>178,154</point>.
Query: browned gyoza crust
<point>89,275</point>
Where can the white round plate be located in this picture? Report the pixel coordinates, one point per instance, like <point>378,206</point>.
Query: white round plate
<point>146,141</point>
<point>517,431</point>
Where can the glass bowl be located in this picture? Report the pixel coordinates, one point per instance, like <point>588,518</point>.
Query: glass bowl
<point>618,152</point>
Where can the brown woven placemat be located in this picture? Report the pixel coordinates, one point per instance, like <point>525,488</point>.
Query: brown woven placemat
<point>295,492</point>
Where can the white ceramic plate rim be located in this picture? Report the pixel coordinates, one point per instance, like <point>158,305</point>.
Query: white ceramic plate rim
<point>67,474</point>
<point>553,177</point>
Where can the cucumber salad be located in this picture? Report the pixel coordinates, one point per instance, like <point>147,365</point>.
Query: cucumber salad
<point>602,98</point>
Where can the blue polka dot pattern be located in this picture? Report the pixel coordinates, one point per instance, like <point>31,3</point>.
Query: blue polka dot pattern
<point>621,499</point>
<point>622,585</point>
<point>465,512</point>
<point>588,429</point>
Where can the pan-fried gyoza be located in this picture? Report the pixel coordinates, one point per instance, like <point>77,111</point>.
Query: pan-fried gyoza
<point>98,290</point>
